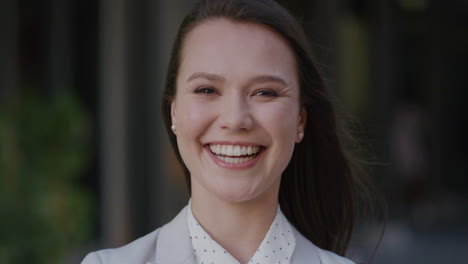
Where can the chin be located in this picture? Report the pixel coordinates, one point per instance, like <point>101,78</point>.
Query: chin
<point>238,192</point>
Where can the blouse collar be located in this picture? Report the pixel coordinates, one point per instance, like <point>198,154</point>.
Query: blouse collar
<point>277,246</point>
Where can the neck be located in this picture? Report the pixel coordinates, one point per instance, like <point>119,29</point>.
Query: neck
<point>239,227</point>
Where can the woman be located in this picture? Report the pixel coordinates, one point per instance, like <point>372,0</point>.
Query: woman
<point>254,128</point>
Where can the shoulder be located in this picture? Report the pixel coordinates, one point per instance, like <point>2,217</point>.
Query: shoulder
<point>169,244</point>
<point>306,250</point>
<point>137,251</point>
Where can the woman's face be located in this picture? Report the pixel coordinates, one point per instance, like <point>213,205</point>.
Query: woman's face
<point>236,109</point>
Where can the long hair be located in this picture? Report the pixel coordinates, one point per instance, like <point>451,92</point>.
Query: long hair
<point>319,189</point>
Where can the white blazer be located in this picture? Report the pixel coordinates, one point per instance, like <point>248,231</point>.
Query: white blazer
<point>171,244</point>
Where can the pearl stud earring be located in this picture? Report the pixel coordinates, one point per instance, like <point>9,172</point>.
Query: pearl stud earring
<point>173,128</point>
<point>300,136</point>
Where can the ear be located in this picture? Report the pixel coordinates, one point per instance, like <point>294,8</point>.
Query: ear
<point>302,119</point>
<point>301,123</point>
<point>173,116</point>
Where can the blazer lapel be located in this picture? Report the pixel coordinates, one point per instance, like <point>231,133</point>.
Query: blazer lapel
<point>305,251</point>
<point>174,245</point>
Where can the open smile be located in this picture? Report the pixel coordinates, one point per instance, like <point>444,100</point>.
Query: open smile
<point>235,156</point>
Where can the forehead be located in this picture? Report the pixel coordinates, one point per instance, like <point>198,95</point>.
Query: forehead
<point>224,46</point>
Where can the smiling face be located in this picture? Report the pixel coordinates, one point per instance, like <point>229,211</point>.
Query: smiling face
<point>236,109</point>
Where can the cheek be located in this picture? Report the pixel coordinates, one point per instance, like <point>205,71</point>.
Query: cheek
<point>280,121</point>
<point>193,120</point>
<point>193,117</point>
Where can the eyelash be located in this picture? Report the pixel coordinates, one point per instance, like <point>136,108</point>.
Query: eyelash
<point>205,90</point>
<point>267,93</point>
<point>208,91</point>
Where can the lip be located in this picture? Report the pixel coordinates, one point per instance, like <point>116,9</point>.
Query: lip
<point>234,166</point>
<point>236,143</point>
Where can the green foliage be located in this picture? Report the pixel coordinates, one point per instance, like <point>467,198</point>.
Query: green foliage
<point>44,145</point>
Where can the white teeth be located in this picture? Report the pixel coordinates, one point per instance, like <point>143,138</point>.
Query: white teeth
<point>230,150</point>
<point>249,150</point>
<point>235,160</point>
<point>237,151</point>
<point>223,149</point>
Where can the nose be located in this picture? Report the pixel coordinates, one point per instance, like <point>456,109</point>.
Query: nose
<point>235,114</point>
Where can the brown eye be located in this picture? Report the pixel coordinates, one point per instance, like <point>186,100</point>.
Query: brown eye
<point>268,93</point>
<point>205,90</point>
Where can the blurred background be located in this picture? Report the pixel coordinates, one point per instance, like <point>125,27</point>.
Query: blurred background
<point>85,162</point>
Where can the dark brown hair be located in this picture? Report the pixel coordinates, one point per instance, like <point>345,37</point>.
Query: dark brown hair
<point>319,192</point>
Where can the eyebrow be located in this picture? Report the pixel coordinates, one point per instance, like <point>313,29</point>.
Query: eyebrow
<point>255,79</point>
<point>268,78</point>
<point>205,75</point>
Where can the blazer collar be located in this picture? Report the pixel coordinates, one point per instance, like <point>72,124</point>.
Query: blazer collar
<point>305,251</point>
<point>174,244</point>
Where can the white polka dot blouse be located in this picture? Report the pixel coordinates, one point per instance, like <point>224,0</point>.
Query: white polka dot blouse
<point>277,246</point>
